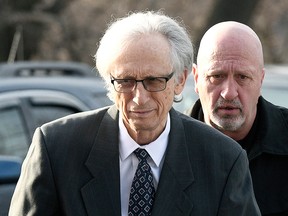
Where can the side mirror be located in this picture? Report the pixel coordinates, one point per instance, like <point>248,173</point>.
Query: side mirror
<point>10,168</point>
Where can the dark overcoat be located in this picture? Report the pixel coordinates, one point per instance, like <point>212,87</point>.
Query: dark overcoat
<point>268,156</point>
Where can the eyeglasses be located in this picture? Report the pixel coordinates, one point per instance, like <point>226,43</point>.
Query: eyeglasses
<point>151,84</point>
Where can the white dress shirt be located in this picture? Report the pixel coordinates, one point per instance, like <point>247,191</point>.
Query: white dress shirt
<point>129,161</point>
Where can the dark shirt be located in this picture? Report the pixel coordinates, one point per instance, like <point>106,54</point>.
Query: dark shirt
<point>247,142</point>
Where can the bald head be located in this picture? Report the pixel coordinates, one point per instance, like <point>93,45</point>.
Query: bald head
<point>231,38</point>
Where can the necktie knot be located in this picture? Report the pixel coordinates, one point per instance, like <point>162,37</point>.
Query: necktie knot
<point>141,154</point>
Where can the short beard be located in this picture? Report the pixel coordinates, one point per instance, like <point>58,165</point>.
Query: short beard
<point>227,122</point>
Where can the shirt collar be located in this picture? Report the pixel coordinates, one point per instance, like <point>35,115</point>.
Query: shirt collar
<point>156,149</point>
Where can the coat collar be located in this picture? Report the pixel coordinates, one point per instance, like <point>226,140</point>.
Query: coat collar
<point>102,194</point>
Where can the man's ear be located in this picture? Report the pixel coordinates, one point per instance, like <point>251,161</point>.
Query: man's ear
<point>181,82</point>
<point>195,74</point>
<point>263,75</point>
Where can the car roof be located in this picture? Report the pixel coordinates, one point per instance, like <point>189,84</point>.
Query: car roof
<point>46,68</point>
<point>89,91</point>
<point>77,79</point>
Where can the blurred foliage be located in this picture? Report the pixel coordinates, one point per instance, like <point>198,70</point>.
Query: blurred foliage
<point>71,29</point>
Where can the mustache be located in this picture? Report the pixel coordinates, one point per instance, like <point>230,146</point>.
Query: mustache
<point>232,104</point>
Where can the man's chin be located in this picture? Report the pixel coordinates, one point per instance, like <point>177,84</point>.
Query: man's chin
<point>227,125</point>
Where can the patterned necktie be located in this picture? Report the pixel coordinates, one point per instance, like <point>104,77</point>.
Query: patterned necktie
<point>142,189</point>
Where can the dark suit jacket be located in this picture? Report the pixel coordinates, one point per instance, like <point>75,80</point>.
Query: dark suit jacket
<point>72,168</point>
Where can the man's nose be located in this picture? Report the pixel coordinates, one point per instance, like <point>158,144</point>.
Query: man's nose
<point>140,94</point>
<point>229,89</point>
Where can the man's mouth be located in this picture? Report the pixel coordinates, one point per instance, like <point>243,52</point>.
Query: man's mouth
<point>228,110</point>
<point>141,113</point>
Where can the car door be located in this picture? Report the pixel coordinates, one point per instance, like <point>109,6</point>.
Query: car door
<point>21,112</point>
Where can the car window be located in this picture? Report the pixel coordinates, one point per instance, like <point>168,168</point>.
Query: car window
<point>47,113</point>
<point>13,137</point>
<point>21,112</point>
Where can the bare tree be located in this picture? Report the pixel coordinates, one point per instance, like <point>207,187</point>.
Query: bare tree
<point>32,17</point>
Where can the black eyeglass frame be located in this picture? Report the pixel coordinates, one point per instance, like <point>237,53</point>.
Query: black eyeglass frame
<point>167,78</point>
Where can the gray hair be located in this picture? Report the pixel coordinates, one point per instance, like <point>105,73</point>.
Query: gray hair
<point>123,30</point>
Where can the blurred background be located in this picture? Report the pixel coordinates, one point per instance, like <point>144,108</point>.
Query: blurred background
<point>69,30</point>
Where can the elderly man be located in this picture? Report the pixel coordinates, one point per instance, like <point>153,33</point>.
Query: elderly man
<point>228,78</point>
<point>139,156</point>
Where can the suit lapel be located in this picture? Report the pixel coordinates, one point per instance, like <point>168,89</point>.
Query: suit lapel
<point>176,175</point>
<point>101,195</point>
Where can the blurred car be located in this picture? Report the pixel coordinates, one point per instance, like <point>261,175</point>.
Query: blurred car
<point>10,168</point>
<point>31,94</point>
<point>274,88</point>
